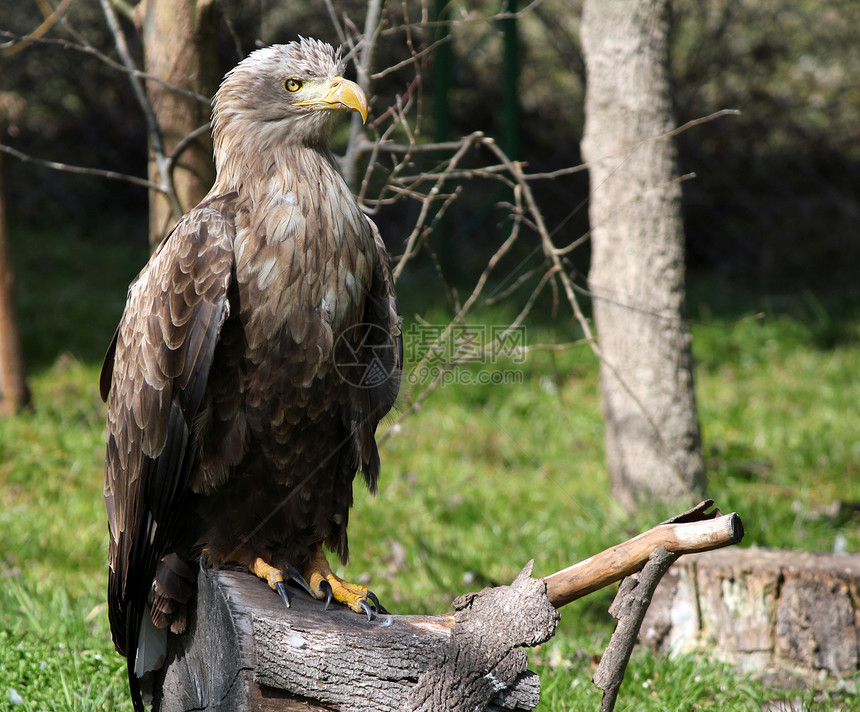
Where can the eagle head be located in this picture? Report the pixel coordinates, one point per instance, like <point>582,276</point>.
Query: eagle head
<point>281,94</point>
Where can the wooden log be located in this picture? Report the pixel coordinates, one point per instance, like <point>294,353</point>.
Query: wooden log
<point>245,651</point>
<point>770,611</point>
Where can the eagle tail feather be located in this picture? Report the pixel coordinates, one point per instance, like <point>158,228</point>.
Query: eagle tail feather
<point>151,646</point>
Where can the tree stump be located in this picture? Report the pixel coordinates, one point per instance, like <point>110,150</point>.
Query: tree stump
<point>765,610</point>
<point>245,651</point>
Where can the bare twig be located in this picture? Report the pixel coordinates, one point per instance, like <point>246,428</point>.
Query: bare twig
<point>431,195</point>
<point>629,607</point>
<point>186,141</point>
<point>50,19</point>
<point>86,48</point>
<point>372,27</point>
<point>54,165</point>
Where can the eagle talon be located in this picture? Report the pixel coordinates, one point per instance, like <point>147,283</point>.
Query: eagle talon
<point>365,606</point>
<point>281,590</point>
<point>325,587</point>
<point>294,576</point>
<point>376,604</point>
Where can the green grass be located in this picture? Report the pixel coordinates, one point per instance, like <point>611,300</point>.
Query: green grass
<point>480,480</point>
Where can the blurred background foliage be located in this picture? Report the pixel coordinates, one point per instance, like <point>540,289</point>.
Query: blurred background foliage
<point>774,205</point>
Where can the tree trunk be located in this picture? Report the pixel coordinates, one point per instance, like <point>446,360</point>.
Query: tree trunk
<point>14,394</point>
<point>180,47</point>
<point>653,443</point>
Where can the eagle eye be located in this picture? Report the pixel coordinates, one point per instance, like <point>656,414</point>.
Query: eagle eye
<point>292,85</point>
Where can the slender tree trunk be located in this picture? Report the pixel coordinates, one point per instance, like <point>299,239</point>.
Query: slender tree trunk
<point>653,442</point>
<point>14,394</point>
<point>180,47</point>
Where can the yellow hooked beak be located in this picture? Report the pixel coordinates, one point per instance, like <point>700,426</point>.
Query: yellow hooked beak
<point>339,94</point>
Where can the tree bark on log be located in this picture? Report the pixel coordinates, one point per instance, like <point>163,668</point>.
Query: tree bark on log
<point>245,651</point>
<point>769,611</point>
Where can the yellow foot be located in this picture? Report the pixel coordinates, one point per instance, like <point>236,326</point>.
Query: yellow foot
<point>269,574</point>
<point>275,577</point>
<point>326,586</point>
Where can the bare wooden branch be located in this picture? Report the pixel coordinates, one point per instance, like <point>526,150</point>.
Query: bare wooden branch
<point>83,170</point>
<point>625,559</point>
<point>50,19</point>
<point>86,48</point>
<point>629,607</point>
<point>372,26</point>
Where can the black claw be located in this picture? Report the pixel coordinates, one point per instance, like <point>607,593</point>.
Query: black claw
<point>365,606</point>
<point>326,586</point>
<point>294,576</point>
<point>376,604</point>
<point>281,589</point>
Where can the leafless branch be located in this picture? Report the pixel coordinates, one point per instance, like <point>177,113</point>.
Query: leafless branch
<point>426,202</point>
<point>372,27</point>
<point>55,165</point>
<point>50,20</point>
<point>86,48</point>
<point>153,130</point>
<point>183,144</point>
<point>629,607</point>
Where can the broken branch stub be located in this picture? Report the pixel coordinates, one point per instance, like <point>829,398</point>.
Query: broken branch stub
<point>484,656</point>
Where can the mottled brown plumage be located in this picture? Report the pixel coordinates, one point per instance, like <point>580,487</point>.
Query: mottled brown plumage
<point>239,406</point>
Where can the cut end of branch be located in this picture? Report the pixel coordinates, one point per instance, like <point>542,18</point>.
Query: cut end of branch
<point>737,527</point>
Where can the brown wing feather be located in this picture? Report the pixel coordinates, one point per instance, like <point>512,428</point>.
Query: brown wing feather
<point>156,370</point>
<point>384,334</point>
<point>374,384</point>
<point>374,389</point>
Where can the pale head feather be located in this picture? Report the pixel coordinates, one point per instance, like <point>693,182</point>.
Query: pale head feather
<point>253,113</point>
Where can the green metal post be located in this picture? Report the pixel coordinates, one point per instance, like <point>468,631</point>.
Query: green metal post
<point>441,72</point>
<point>510,81</point>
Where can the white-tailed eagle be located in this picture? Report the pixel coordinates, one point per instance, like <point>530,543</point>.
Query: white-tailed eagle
<point>259,349</point>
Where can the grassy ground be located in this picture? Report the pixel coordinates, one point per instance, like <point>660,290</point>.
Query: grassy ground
<point>482,479</point>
